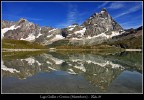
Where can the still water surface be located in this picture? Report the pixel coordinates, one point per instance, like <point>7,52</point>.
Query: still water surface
<point>73,73</point>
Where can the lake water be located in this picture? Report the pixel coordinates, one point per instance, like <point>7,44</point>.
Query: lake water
<point>54,72</point>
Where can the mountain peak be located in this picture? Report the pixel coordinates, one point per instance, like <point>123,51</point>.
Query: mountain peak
<point>101,23</point>
<point>22,19</point>
<point>104,9</point>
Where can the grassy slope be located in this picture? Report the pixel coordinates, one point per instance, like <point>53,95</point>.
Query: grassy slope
<point>64,44</point>
<point>128,43</point>
<point>59,43</point>
<point>20,44</point>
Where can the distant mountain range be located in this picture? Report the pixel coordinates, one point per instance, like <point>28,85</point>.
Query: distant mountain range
<point>100,28</point>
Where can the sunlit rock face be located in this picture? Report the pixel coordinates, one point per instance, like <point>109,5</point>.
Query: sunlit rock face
<point>96,29</point>
<point>28,31</point>
<point>101,23</point>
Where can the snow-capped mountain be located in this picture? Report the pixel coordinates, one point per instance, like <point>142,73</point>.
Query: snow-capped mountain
<point>96,29</point>
<point>25,30</point>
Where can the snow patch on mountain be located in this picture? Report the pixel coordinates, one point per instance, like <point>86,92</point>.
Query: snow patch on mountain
<point>72,26</point>
<point>57,37</point>
<point>30,60</point>
<point>30,37</point>
<point>114,33</point>
<point>102,12</point>
<point>49,62</point>
<point>57,61</point>
<point>81,67</point>
<point>38,35</point>
<point>71,71</point>
<point>38,63</point>
<point>76,60</point>
<point>102,64</point>
<point>49,36</point>
<point>53,30</point>
<point>11,70</point>
<point>3,31</point>
<point>81,31</point>
<point>106,63</point>
<point>71,29</point>
<point>76,38</point>
<point>51,68</point>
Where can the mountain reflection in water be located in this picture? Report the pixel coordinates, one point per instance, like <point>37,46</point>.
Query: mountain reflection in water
<point>73,73</point>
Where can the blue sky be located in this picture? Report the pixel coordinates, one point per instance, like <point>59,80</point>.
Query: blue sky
<point>63,14</point>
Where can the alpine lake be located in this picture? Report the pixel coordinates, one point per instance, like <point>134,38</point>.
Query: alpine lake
<point>71,72</point>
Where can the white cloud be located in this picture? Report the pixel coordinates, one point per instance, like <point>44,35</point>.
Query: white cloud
<point>130,10</point>
<point>72,14</point>
<point>116,5</point>
<point>103,5</point>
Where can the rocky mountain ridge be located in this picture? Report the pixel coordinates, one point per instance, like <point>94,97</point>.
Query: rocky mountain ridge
<point>97,29</point>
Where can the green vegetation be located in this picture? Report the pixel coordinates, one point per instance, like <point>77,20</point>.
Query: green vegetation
<point>20,54</point>
<point>65,44</point>
<point>59,43</point>
<point>20,44</point>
